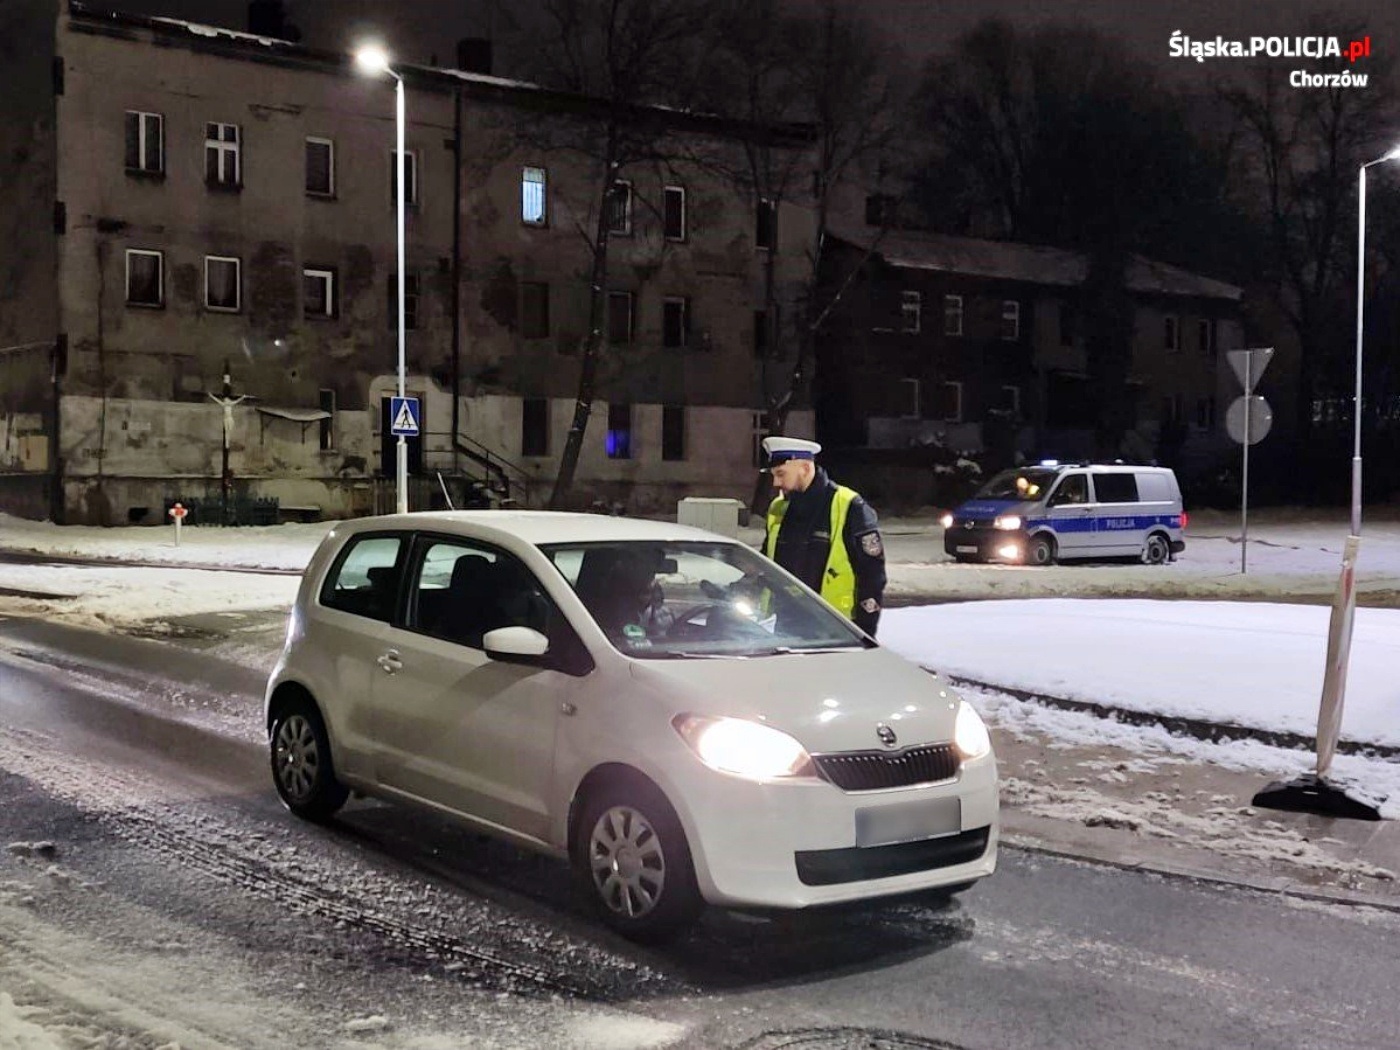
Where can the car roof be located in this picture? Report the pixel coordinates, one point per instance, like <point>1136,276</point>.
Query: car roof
<point>536,527</point>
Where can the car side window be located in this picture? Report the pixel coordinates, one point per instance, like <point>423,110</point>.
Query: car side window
<point>461,590</point>
<point>365,578</point>
<point>1074,488</point>
<point>1116,488</point>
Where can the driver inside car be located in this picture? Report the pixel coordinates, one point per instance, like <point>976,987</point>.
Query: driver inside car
<point>635,604</point>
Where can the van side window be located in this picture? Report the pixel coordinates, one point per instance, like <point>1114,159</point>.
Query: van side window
<point>1073,488</point>
<point>365,580</point>
<point>1116,488</point>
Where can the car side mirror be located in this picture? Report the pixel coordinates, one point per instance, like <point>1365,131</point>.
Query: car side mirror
<point>515,644</point>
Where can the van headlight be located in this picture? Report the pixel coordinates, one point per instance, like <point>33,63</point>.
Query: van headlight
<point>970,732</point>
<point>946,521</point>
<point>744,748</point>
<point>1010,522</point>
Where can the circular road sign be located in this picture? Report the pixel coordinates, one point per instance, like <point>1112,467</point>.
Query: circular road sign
<point>1260,417</point>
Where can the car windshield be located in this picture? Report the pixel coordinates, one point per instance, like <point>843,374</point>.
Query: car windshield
<point>660,600</point>
<point>1030,483</point>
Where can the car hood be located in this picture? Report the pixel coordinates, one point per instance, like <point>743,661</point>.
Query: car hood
<point>828,701</point>
<point>989,508</point>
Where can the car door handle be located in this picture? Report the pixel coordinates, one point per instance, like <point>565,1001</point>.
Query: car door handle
<point>390,662</point>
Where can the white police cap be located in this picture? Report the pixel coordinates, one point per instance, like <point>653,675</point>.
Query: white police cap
<point>782,449</point>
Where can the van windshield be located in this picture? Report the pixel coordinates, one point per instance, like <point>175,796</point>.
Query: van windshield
<point>1031,483</point>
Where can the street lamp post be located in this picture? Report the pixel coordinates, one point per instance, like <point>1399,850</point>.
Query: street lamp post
<point>374,60</point>
<point>1360,315</point>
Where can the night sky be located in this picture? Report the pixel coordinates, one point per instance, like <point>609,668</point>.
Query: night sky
<point>419,29</point>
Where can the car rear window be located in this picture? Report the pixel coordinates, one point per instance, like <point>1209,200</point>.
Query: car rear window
<point>364,580</point>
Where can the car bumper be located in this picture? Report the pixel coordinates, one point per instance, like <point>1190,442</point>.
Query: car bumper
<point>1004,545</point>
<point>795,844</point>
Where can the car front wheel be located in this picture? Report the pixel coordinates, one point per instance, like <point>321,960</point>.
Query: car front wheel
<point>632,861</point>
<point>301,763</point>
<point>1156,551</point>
<point>1040,551</point>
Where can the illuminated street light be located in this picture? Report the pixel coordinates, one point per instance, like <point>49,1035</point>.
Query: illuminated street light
<point>374,60</point>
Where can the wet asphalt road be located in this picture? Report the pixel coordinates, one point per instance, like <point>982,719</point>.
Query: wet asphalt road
<point>144,765</point>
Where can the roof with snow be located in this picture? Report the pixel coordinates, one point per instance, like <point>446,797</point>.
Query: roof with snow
<point>1027,263</point>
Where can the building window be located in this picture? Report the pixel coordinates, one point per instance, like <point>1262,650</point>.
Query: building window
<point>766,225</point>
<point>533,198</point>
<point>1174,408</point>
<point>534,426</point>
<point>762,334</point>
<point>1171,333</point>
<point>620,208</point>
<point>1011,401</point>
<point>619,318</point>
<point>221,283</point>
<point>325,401</point>
<point>410,178</point>
<point>318,292</point>
<point>1205,333</point>
<point>911,312</point>
<point>909,396</point>
<point>759,429</point>
<point>675,322</point>
<point>619,439</point>
<point>410,302</point>
<point>1205,413</point>
<point>221,167</point>
<point>952,315</point>
<point>145,142</point>
<point>673,432</point>
<point>950,408</point>
<point>534,310</point>
<point>1069,324</point>
<point>673,216</point>
<point>320,167</point>
<point>1010,320</point>
<point>145,277</point>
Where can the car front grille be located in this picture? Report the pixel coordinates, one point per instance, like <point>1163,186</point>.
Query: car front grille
<point>873,770</point>
<point>831,867</point>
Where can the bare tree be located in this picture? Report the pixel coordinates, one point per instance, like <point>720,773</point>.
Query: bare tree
<point>828,72</point>
<point>622,59</point>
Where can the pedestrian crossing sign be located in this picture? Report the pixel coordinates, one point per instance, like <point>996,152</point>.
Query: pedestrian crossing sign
<point>403,411</point>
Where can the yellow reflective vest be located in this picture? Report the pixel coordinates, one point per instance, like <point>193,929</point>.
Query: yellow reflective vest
<point>839,577</point>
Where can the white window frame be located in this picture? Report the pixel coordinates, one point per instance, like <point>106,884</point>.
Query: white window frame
<point>143,121</point>
<point>957,389</point>
<point>1015,399</point>
<point>160,277</point>
<point>1011,314</point>
<point>237,283</point>
<point>624,187</point>
<point>953,315</point>
<point>329,191</point>
<point>684,235</point>
<point>911,311</point>
<point>327,279</point>
<point>410,157</point>
<point>915,389</point>
<point>1171,333</point>
<point>684,303</point>
<point>229,152</point>
<point>631,317</point>
<point>542,182</point>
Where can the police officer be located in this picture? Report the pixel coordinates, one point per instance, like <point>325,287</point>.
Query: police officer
<point>823,533</point>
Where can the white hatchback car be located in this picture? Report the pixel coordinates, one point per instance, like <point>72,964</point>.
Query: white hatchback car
<point>669,710</point>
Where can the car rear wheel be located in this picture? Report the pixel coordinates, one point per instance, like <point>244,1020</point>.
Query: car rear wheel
<point>301,763</point>
<point>632,861</point>
<point>1040,550</point>
<point>1157,550</point>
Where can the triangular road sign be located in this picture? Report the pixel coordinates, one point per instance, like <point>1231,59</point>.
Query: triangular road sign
<point>1249,365</point>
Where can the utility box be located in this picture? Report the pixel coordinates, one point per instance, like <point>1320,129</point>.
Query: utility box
<point>713,514</point>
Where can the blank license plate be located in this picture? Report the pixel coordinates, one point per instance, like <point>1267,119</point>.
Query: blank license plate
<point>966,549</point>
<point>908,822</point>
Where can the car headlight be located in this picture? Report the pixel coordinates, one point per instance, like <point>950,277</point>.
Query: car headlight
<point>946,521</point>
<point>970,732</point>
<point>747,749</point>
<point>1008,521</point>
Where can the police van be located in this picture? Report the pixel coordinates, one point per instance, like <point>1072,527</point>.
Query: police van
<point>1056,512</point>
